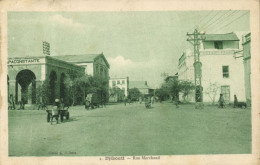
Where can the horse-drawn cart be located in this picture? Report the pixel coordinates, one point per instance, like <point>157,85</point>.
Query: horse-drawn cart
<point>61,113</point>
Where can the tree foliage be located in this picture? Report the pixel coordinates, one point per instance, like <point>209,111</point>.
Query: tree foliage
<point>79,87</point>
<point>134,93</point>
<point>116,93</point>
<point>43,93</point>
<point>185,88</point>
<point>172,87</point>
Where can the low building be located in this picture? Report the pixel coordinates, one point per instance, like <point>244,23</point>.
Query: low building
<point>142,86</point>
<point>25,74</point>
<point>221,71</point>
<point>118,88</point>
<point>247,65</point>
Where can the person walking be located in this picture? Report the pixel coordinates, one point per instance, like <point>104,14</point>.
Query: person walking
<point>176,101</point>
<point>235,101</point>
<point>221,101</point>
<point>152,99</point>
<point>140,99</point>
<point>11,102</point>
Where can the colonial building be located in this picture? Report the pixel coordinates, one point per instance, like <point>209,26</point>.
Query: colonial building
<point>221,71</point>
<point>247,65</point>
<point>94,64</point>
<point>118,88</point>
<point>26,73</point>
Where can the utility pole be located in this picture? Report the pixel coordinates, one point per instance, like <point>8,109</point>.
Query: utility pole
<point>194,39</point>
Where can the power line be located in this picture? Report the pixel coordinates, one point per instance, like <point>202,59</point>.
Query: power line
<point>202,19</point>
<point>211,19</point>
<point>232,21</point>
<point>228,18</point>
<point>222,16</point>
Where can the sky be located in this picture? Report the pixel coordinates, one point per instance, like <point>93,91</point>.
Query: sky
<point>140,45</point>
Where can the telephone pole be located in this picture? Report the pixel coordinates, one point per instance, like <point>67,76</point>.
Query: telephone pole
<point>194,39</point>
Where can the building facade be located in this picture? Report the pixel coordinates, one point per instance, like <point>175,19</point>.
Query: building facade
<point>94,64</point>
<point>26,74</point>
<point>247,65</point>
<point>118,88</point>
<point>221,71</point>
<point>142,86</point>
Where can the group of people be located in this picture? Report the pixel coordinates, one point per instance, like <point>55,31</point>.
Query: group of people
<point>221,101</point>
<point>58,105</point>
<point>11,103</point>
<point>148,100</point>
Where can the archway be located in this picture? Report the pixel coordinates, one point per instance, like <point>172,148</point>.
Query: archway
<point>53,80</point>
<point>62,86</point>
<point>25,87</point>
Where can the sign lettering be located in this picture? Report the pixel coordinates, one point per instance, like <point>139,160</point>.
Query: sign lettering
<point>23,61</point>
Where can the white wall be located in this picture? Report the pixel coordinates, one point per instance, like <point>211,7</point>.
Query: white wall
<point>212,73</point>
<point>121,85</point>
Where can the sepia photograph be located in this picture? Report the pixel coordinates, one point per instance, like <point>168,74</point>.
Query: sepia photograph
<point>129,85</point>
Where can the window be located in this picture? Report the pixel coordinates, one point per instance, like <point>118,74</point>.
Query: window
<point>114,83</point>
<point>118,82</point>
<point>225,71</point>
<point>218,44</point>
<point>123,81</point>
<point>225,90</point>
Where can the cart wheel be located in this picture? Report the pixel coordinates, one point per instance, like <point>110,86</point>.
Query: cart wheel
<point>68,116</point>
<point>48,117</point>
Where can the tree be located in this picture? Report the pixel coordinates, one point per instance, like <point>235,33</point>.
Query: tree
<point>171,87</point>
<point>116,92</point>
<point>162,94</point>
<point>212,90</point>
<point>134,94</point>
<point>186,87</point>
<point>42,93</point>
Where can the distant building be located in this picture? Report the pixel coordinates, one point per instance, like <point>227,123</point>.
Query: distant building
<point>118,88</point>
<point>246,42</point>
<point>220,70</point>
<point>142,86</point>
<point>94,64</point>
